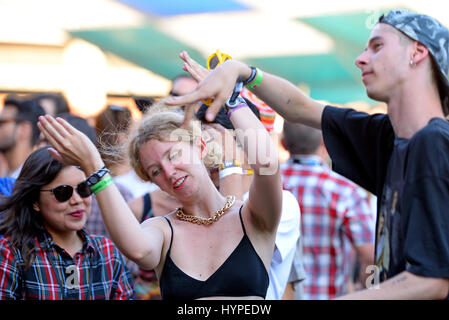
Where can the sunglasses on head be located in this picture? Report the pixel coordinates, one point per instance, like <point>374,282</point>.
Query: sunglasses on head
<point>64,192</point>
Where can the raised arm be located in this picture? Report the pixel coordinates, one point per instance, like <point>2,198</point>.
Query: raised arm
<point>284,97</point>
<point>265,195</point>
<point>143,245</point>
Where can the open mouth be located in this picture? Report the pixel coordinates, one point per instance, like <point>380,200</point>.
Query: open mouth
<point>179,183</point>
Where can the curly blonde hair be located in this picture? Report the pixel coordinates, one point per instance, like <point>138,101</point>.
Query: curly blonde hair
<point>163,123</point>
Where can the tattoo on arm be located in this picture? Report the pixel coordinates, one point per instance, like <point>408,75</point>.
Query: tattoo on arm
<point>399,280</point>
<point>289,100</point>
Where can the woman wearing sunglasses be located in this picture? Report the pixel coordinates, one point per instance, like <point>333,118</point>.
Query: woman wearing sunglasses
<point>213,246</point>
<point>46,253</point>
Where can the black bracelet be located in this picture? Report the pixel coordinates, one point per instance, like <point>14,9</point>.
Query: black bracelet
<point>251,77</point>
<point>97,176</point>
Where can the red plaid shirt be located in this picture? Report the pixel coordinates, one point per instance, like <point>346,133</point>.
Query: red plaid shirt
<point>98,271</point>
<point>336,214</point>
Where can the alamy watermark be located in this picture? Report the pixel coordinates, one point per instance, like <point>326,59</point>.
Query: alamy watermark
<point>256,144</point>
<point>372,19</point>
<point>372,281</point>
<point>72,281</point>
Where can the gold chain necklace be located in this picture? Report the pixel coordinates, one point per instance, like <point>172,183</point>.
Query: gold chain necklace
<point>198,220</point>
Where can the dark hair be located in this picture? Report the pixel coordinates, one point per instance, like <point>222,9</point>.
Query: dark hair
<point>222,117</point>
<point>80,124</point>
<point>12,99</point>
<point>21,223</point>
<point>143,103</point>
<point>58,99</point>
<point>301,139</point>
<point>28,110</point>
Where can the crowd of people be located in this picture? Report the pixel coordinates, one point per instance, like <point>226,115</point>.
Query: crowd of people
<point>191,200</point>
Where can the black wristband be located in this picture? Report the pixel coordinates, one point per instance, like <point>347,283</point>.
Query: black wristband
<point>251,77</point>
<point>97,176</point>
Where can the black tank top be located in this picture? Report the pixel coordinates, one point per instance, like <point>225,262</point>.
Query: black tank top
<point>242,274</point>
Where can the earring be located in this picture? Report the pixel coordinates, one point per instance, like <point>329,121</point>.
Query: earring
<point>412,64</point>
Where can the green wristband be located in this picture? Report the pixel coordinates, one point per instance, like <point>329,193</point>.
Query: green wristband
<point>102,184</point>
<point>257,80</point>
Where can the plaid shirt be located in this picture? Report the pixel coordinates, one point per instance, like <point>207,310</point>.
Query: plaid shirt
<point>335,214</point>
<point>98,271</point>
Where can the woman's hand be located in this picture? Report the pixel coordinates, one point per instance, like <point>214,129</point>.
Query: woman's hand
<point>70,146</point>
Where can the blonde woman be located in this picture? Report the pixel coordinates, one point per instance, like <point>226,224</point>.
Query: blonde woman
<point>212,247</point>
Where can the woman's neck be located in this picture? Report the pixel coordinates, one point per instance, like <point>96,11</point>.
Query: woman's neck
<point>69,241</point>
<point>205,203</point>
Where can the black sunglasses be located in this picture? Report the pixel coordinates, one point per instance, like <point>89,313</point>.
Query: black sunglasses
<point>64,193</point>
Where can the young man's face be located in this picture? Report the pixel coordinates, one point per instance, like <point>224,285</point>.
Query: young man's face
<point>8,128</point>
<point>385,63</point>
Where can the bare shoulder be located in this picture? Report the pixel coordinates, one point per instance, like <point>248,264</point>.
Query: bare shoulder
<point>156,222</point>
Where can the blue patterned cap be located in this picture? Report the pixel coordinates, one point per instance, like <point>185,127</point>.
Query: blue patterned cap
<point>424,29</point>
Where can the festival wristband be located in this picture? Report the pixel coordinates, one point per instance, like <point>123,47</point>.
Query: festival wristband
<point>231,110</point>
<point>230,164</point>
<point>228,171</point>
<point>102,184</point>
<point>257,80</point>
<point>248,172</point>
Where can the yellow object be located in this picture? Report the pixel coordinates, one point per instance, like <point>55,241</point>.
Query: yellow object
<point>214,60</point>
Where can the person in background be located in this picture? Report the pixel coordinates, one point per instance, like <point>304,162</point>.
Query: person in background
<point>18,131</point>
<point>52,103</point>
<point>46,254</point>
<point>182,84</point>
<point>113,126</point>
<point>336,217</point>
<point>143,103</point>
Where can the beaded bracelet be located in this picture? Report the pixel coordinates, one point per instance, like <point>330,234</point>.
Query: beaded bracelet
<point>102,184</point>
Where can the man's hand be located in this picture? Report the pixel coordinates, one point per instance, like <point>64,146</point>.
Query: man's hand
<point>218,85</point>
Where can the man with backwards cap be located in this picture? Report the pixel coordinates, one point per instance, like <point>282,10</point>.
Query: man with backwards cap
<point>402,157</point>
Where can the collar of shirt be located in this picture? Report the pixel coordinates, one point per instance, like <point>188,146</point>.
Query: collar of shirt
<point>309,160</point>
<point>46,241</point>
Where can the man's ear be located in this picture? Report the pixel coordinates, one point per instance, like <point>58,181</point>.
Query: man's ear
<point>420,51</point>
<point>36,207</point>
